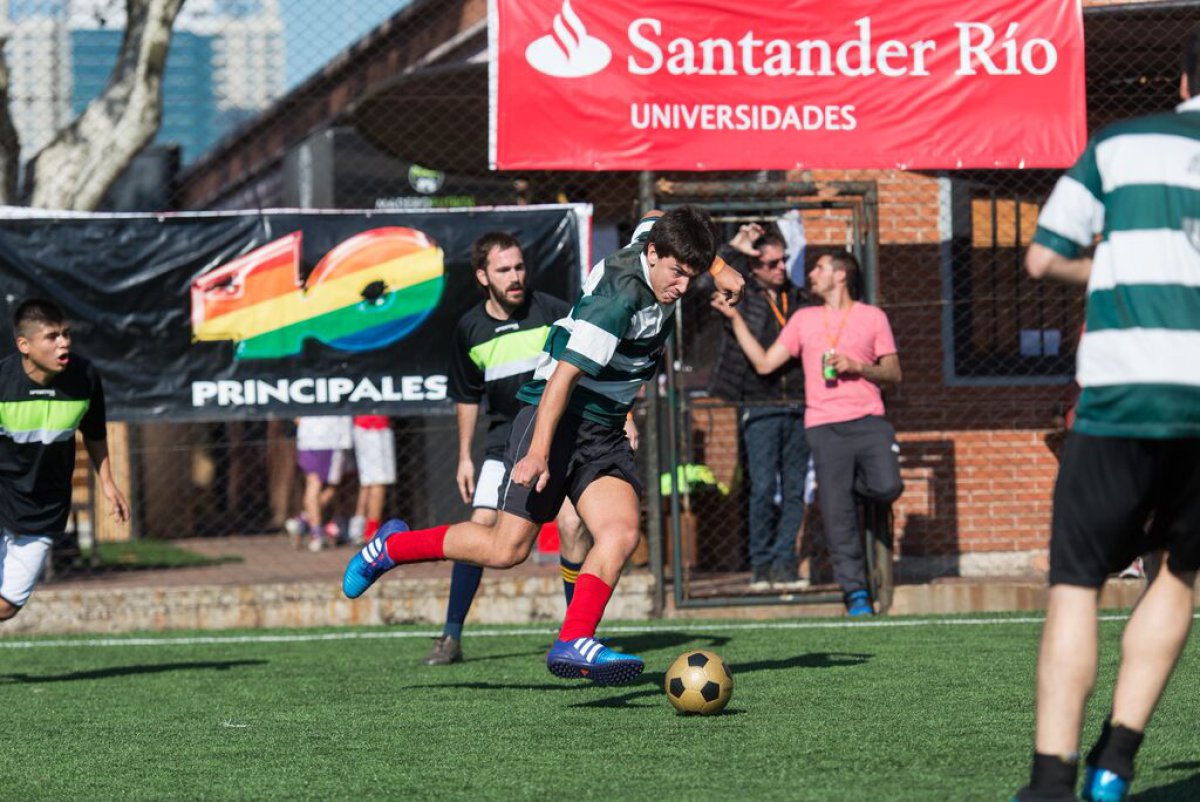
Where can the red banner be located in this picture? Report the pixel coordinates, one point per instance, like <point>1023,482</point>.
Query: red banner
<point>708,85</point>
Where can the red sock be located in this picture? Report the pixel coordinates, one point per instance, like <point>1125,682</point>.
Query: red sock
<point>370,528</point>
<point>419,546</point>
<point>587,608</point>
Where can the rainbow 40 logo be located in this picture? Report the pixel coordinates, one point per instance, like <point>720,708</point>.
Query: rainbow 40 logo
<point>368,292</point>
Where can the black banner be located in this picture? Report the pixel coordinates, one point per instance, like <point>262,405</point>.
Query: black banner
<point>275,313</point>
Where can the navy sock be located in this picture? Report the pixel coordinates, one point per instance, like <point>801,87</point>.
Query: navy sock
<point>464,582</point>
<point>570,573</point>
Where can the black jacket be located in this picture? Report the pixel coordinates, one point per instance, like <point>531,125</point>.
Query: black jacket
<point>734,378</point>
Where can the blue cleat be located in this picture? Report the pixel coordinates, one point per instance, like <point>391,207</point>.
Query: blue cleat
<point>1101,785</point>
<point>372,561</point>
<point>858,603</point>
<point>586,658</point>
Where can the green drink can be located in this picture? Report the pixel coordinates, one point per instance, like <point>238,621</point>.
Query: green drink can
<point>827,368</point>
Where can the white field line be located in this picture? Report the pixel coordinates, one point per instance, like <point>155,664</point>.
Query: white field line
<point>663,626</point>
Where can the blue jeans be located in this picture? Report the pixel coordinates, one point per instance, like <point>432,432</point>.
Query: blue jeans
<point>776,454</point>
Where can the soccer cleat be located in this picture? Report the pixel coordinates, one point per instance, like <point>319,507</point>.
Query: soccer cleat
<point>446,650</point>
<point>586,658</point>
<point>858,603</point>
<point>1101,785</point>
<point>371,561</point>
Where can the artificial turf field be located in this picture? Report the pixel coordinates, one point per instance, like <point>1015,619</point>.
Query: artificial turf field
<point>896,709</point>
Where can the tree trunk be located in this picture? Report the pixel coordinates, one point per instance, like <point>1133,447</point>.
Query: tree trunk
<point>10,144</point>
<point>83,160</point>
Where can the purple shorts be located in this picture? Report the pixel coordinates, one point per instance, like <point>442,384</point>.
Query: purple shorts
<point>329,464</point>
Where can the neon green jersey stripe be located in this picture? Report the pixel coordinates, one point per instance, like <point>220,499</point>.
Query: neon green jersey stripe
<point>42,414</point>
<point>513,346</point>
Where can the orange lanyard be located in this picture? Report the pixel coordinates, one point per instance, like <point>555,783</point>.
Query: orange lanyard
<point>780,316</point>
<point>833,340</point>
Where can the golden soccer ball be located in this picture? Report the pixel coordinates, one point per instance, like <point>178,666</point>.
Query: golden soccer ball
<point>699,682</point>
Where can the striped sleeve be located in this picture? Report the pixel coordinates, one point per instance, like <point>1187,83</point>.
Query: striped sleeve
<point>597,326</point>
<point>1074,213</point>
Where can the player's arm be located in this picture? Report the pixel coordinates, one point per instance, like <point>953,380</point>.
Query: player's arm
<point>467,414</point>
<point>1043,262</point>
<point>765,361</point>
<point>885,371</point>
<point>98,454</point>
<point>533,469</point>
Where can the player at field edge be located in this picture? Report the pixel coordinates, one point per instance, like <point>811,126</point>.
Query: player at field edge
<point>569,440</point>
<point>1134,449</point>
<point>46,394</point>
<point>497,344</point>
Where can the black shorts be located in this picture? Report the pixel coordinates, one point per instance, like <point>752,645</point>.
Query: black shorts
<point>1119,497</point>
<point>581,452</point>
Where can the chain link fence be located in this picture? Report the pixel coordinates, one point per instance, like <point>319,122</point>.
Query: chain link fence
<point>296,103</point>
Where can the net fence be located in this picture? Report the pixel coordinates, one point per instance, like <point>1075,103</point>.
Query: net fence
<point>384,105</point>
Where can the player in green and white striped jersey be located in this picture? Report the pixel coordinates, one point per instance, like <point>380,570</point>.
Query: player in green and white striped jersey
<point>1134,450</point>
<point>570,441</point>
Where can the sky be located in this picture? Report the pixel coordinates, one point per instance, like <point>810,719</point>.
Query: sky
<point>317,30</point>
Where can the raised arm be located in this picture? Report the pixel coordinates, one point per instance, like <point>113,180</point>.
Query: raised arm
<point>765,361</point>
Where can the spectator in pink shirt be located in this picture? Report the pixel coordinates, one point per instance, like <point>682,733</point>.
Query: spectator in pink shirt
<point>847,350</point>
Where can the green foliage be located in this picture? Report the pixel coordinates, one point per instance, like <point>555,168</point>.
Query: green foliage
<point>153,554</point>
<point>930,711</point>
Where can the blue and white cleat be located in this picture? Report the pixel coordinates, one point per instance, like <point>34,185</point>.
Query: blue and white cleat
<point>586,658</point>
<point>372,561</point>
<point>1101,785</point>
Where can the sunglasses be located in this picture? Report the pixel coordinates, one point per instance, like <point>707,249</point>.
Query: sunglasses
<point>771,264</point>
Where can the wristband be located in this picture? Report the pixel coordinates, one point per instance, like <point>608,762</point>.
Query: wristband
<point>718,265</point>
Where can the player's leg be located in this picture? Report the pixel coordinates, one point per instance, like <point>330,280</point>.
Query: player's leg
<point>793,469</point>
<point>574,543</point>
<point>465,577</point>
<point>1159,626</point>
<point>761,446</point>
<point>610,510</point>
<point>1101,499</point>
<point>502,545</point>
<point>375,455</point>
<point>835,462</point>
<point>877,475</point>
<point>21,560</point>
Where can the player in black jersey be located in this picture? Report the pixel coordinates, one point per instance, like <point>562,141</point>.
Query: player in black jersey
<point>46,393</point>
<point>496,347</point>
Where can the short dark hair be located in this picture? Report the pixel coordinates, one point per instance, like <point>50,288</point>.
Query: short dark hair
<point>1191,62</point>
<point>848,264</point>
<point>770,238</point>
<point>36,311</point>
<point>484,244</point>
<point>686,233</point>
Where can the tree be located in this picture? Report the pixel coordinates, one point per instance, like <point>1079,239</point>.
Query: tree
<point>83,159</point>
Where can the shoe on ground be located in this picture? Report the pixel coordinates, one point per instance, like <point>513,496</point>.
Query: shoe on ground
<point>786,578</point>
<point>760,579</point>
<point>1101,785</point>
<point>587,658</point>
<point>446,650</point>
<point>371,561</point>
<point>296,529</point>
<point>858,604</point>
<point>1026,795</point>
<point>315,544</point>
<point>357,530</point>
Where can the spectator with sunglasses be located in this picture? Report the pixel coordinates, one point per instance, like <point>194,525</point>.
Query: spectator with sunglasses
<point>770,409</point>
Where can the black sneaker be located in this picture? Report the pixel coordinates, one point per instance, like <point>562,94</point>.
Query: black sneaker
<point>446,650</point>
<point>761,578</point>
<point>784,577</point>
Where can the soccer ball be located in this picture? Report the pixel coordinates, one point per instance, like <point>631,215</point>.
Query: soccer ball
<point>699,682</point>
